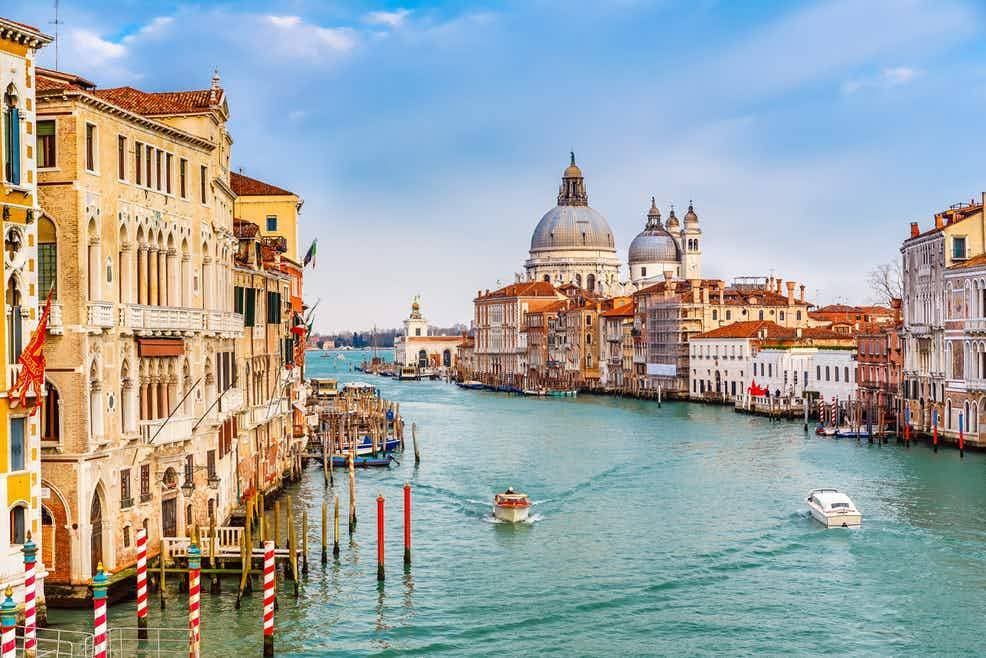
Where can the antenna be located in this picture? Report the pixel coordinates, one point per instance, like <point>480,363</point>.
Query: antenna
<point>56,23</point>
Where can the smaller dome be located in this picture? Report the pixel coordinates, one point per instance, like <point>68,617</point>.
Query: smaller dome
<point>415,306</point>
<point>673,223</point>
<point>654,244</point>
<point>690,216</point>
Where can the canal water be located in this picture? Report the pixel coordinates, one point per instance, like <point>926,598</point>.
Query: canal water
<point>680,530</point>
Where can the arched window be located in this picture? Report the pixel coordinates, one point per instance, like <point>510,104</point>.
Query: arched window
<point>590,282</point>
<point>11,137</point>
<point>760,315</point>
<point>588,339</point>
<point>715,314</point>
<point>47,259</point>
<point>422,358</point>
<point>17,524</point>
<point>447,358</point>
<point>547,277</point>
<point>51,420</point>
<point>578,280</point>
<point>15,328</point>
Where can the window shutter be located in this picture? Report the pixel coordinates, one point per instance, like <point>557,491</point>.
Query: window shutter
<point>248,318</point>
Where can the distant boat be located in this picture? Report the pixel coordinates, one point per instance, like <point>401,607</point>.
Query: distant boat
<point>471,384</point>
<point>408,373</point>
<point>363,461</point>
<point>563,393</point>
<point>538,392</point>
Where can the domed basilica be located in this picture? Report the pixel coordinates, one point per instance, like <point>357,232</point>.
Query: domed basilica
<point>573,243</point>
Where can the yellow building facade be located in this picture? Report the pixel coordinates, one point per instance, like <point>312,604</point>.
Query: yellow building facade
<point>20,465</point>
<point>273,209</point>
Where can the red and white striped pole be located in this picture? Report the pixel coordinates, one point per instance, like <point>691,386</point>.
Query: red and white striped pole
<point>142,584</point>
<point>100,583</point>
<point>194,571</point>
<point>30,550</point>
<point>8,628</point>
<point>270,585</point>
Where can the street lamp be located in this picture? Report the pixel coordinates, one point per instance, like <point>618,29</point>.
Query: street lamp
<point>213,481</point>
<point>187,488</point>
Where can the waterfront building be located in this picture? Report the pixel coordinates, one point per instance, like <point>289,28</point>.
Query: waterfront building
<point>956,237</point>
<point>137,245</point>
<point>541,321</point>
<point>791,361</point>
<point>465,361</point>
<point>23,154</point>
<point>417,346</point>
<point>267,447</point>
<point>669,313</point>
<point>275,211</point>
<point>573,243</point>
<point>879,359</point>
<point>667,251</point>
<point>272,208</point>
<point>616,363</point>
<point>845,319</point>
<point>500,342</point>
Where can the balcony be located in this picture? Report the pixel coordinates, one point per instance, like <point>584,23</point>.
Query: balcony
<point>226,323</point>
<point>977,326</point>
<point>55,325</point>
<point>232,400</point>
<point>160,319</point>
<point>100,315</point>
<point>163,431</point>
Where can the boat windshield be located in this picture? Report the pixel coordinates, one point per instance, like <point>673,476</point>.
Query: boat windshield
<point>840,505</point>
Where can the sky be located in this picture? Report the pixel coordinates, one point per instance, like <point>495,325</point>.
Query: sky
<point>428,139</point>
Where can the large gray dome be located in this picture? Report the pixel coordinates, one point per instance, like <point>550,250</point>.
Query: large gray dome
<point>573,227</point>
<point>654,246</point>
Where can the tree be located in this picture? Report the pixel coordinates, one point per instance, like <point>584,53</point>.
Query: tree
<point>886,282</point>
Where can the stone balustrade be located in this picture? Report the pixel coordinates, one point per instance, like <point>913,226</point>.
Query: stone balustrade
<point>163,431</point>
<point>100,314</point>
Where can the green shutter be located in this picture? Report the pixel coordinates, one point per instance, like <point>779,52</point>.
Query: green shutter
<point>251,304</point>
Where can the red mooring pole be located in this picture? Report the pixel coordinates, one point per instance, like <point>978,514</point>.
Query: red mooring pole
<point>380,575</point>
<point>407,524</point>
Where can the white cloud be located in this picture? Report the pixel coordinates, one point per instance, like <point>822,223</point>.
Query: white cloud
<point>284,21</point>
<point>890,77</point>
<point>392,19</point>
<point>302,39</point>
<point>93,49</point>
<point>157,27</point>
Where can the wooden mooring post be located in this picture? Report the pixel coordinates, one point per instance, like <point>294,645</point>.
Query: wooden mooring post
<point>325,519</point>
<point>352,496</point>
<point>414,441</point>
<point>335,535</point>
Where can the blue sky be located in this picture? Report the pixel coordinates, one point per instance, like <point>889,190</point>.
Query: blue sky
<point>428,138</point>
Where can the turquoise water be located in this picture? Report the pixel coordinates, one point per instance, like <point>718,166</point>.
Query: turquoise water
<point>680,530</point>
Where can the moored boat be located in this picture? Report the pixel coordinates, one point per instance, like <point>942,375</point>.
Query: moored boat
<point>825,431</point>
<point>362,461</point>
<point>833,509</point>
<point>538,392</point>
<point>563,393</point>
<point>471,384</point>
<point>511,506</point>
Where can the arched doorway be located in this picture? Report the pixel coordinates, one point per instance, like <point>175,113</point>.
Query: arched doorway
<point>96,530</point>
<point>447,358</point>
<point>169,504</point>
<point>422,359</point>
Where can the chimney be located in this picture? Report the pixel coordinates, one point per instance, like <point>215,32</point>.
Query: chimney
<point>939,221</point>
<point>777,285</point>
<point>802,292</point>
<point>915,231</point>
<point>770,283</point>
<point>722,296</point>
<point>790,293</point>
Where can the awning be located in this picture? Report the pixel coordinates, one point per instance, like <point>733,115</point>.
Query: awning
<point>160,346</point>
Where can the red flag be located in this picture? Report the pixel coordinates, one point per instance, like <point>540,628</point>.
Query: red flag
<point>32,362</point>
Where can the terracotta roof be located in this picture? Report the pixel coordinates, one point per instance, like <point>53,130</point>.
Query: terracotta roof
<point>975,261</point>
<point>951,216</point>
<point>625,311</point>
<point>246,186</point>
<point>524,289</point>
<point>48,79</point>
<point>161,103</point>
<point>752,328</point>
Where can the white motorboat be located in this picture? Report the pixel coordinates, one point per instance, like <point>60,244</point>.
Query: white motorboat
<point>833,509</point>
<point>511,506</point>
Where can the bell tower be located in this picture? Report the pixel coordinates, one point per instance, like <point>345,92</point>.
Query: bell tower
<point>415,324</point>
<point>691,246</point>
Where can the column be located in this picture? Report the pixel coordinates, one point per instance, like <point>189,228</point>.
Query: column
<point>152,398</point>
<point>186,280</point>
<point>142,274</point>
<point>123,273</point>
<point>162,398</point>
<point>174,296</point>
<point>152,297</point>
<point>206,283</point>
<point>162,276</point>
<point>145,406</point>
<point>94,269</point>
